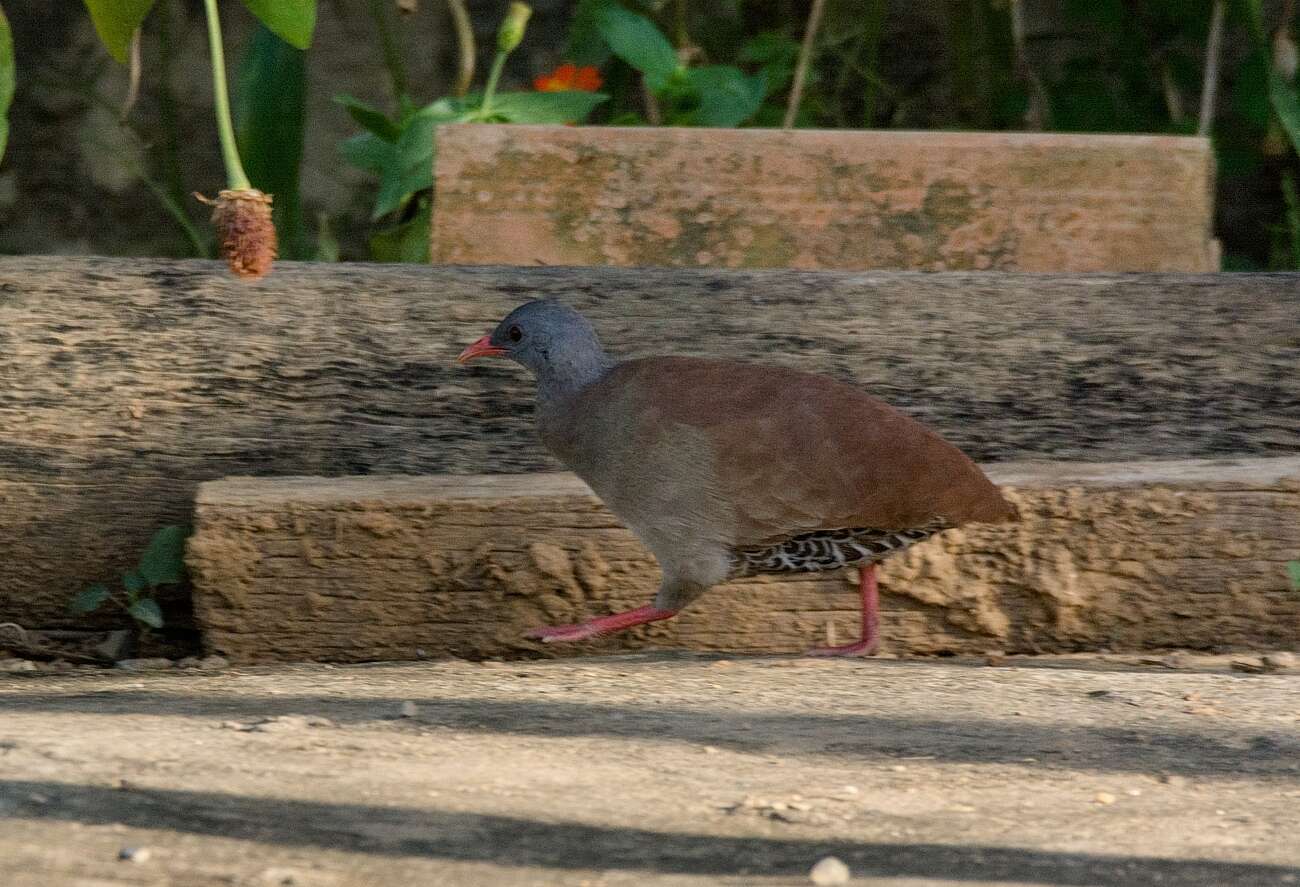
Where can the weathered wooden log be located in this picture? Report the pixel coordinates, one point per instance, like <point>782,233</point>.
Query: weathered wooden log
<point>1122,556</point>
<point>828,199</point>
<point>126,382</point>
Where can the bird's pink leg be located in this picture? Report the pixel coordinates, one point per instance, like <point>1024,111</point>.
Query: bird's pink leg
<point>597,627</point>
<point>870,620</point>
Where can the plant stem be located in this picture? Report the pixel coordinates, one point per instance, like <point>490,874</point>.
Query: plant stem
<point>681,38</point>
<point>133,81</point>
<point>1038,113</point>
<point>465,44</point>
<point>235,176</point>
<point>170,142</point>
<point>1210,84</point>
<point>1292,215</point>
<point>485,109</point>
<point>875,30</point>
<point>805,58</point>
<point>392,56</point>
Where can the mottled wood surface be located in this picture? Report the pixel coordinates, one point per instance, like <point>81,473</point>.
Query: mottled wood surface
<point>848,200</point>
<point>124,383</point>
<point>1125,557</point>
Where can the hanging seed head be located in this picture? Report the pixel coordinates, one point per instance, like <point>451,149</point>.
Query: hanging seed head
<point>244,230</point>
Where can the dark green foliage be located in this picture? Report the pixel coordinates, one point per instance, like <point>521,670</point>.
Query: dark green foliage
<point>270,115</point>
<point>162,563</point>
<point>6,79</point>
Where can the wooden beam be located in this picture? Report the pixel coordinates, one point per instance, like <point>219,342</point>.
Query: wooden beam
<point>124,383</point>
<point>834,199</point>
<point>1120,556</point>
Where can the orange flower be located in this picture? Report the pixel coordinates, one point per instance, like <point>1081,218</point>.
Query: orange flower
<point>569,76</point>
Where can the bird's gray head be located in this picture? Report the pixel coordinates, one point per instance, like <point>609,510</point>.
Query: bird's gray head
<point>549,338</point>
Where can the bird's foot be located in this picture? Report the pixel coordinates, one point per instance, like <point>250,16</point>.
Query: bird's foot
<point>597,627</point>
<point>861,648</point>
<point>563,633</point>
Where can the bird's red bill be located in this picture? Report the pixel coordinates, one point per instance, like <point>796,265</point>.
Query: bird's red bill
<point>481,348</point>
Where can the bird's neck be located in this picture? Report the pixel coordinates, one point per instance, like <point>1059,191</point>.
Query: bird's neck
<point>565,378</point>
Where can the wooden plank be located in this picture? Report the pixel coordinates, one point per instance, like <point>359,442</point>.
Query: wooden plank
<point>126,382</point>
<point>1120,556</point>
<point>849,200</point>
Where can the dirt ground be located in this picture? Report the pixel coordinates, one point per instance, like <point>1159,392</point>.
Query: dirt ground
<point>658,769</point>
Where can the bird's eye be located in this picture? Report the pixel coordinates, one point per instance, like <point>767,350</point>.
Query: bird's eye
<point>514,334</point>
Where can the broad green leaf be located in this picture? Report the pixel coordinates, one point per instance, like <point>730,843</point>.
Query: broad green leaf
<point>570,106</point>
<point>636,40</point>
<point>1250,88</point>
<point>776,53</point>
<point>163,562</point>
<point>291,20</point>
<point>270,117</point>
<point>1286,102</point>
<point>133,583</point>
<point>116,20</point>
<point>146,610</point>
<point>1293,570</point>
<point>727,96</point>
<point>6,79</point>
<point>89,601</point>
<point>408,242</point>
<point>586,45</point>
<point>370,117</point>
<point>412,168</point>
<point>367,151</point>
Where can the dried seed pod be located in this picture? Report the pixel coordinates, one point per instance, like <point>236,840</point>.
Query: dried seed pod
<point>244,230</point>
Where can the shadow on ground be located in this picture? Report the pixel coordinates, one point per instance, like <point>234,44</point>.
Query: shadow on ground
<point>505,840</point>
<point>1221,751</point>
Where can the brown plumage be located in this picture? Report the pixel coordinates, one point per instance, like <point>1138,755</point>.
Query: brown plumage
<point>726,469</point>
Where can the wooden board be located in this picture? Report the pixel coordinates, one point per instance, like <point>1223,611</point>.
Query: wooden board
<point>126,382</point>
<point>842,199</point>
<point>1117,556</point>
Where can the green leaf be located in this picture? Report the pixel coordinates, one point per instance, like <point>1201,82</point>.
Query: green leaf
<point>367,151</point>
<point>1250,88</point>
<point>727,96</point>
<point>116,21</point>
<point>1293,570</point>
<point>163,562</point>
<point>636,40</point>
<point>776,53</point>
<point>89,601</point>
<point>408,242</point>
<point>412,168</point>
<point>270,117</point>
<point>569,106</point>
<point>291,20</point>
<point>370,117</point>
<point>6,79</point>
<point>133,583</point>
<point>1286,102</point>
<point>147,611</point>
<point>586,45</point>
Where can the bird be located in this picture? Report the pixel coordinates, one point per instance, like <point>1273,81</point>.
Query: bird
<point>727,469</point>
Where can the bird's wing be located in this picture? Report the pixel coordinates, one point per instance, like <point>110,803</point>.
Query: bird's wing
<point>794,452</point>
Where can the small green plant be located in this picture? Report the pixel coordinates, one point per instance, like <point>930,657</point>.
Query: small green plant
<point>400,148</point>
<point>1293,570</point>
<point>677,94</point>
<point>163,563</point>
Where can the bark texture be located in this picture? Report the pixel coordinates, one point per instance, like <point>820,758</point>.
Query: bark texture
<point>1121,556</point>
<point>125,383</point>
